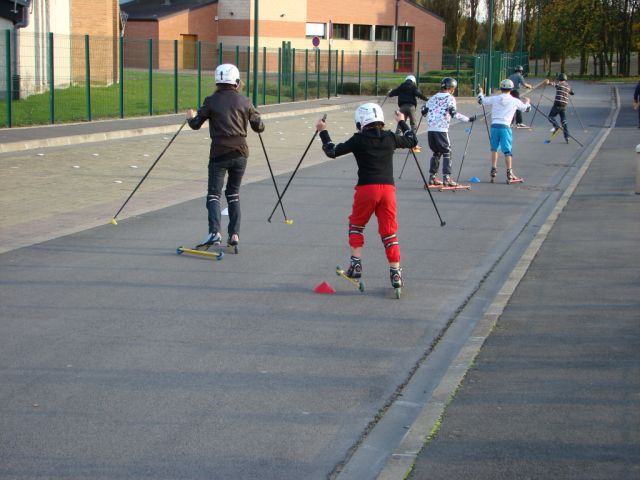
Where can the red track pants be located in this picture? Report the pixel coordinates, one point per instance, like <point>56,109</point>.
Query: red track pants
<point>381,200</point>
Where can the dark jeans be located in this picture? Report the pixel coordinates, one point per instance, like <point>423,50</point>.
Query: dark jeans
<point>409,112</point>
<point>516,94</point>
<point>559,110</point>
<point>441,147</point>
<point>217,170</point>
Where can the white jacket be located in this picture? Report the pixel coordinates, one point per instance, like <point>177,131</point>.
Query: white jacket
<point>504,107</point>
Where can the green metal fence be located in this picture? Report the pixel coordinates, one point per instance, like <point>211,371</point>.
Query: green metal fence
<point>51,79</point>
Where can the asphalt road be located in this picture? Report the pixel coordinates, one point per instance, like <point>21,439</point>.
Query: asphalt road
<point>121,359</point>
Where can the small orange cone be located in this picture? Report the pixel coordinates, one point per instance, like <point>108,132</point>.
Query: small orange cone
<point>324,287</point>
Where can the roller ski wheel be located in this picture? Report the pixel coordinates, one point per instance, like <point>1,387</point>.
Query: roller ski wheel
<point>200,253</point>
<point>233,245</point>
<point>493,174</point>
<point>397,293</point>
<point>358,283</point>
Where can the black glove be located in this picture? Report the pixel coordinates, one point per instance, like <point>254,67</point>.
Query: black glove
<point>424,110</point>
<point>473,118</point>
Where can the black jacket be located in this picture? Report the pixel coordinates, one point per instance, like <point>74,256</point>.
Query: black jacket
<point>407,93</point>
<point>228,112</point>
<point>373,149</point>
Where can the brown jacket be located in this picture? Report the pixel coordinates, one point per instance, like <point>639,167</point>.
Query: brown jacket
<point>228,113</point>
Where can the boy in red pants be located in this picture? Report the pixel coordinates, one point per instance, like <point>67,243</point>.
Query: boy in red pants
<point>373,148</point>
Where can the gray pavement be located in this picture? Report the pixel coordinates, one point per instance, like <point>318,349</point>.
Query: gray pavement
<point>120,359</point>
<point>555,390</point>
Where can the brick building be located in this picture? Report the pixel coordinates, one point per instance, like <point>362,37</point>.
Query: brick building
<point>396,29</point>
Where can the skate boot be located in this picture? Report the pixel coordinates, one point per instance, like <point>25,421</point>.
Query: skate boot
<point>213,239</point>
<point>493,173</point>
<point>433,180</point>
<point>513,178</point>
<point>233,242</point>
<point>355,269</point>
<point>448,182</point>
<point>395,275</point>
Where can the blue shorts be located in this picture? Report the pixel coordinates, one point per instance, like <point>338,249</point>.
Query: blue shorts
<point>501,136</point>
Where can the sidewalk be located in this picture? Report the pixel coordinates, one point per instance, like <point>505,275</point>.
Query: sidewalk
<point>555,390</point>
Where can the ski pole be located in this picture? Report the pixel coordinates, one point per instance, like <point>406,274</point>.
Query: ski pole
<point>407,157</point>
<point>486,124</point>
<point>113,220</point>
<point>570,136</point>
<point>385,99</point>
<point>576,112</point>
<point>286,220</point>
<point>324,117</point>
<point>465,152</point>
<point>442,222</point>
<point>539,99</point>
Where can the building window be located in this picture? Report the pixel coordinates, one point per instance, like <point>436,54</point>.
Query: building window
<point>316,30</point>
<point>362,32</point>
<point>384,33</point>
<point>340,31</point>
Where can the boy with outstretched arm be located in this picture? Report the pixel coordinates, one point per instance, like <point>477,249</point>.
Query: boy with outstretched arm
<point>440,109</point>
<point>504,106</point>
<point>563,90</point>
<point>375,191</point>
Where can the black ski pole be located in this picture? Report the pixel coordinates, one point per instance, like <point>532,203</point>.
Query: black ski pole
<point>539,99</point>
<point>385,99</point>
<point>576,112</point>
<point>465,152</point>
<point>407,157</point>
<point>486,123</point>
<point>113,220</point>
<point>570,136</point>
<point>324,117</point>
<point>442,222</point>
<point>286,220</point>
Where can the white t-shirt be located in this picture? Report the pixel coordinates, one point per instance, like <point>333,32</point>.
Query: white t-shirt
<point>439,114</point>
<point>504,106</point>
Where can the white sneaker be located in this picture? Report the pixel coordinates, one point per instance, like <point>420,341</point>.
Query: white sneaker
<point>521,125</point>
<point>212,239</point>
<point>552,129</point>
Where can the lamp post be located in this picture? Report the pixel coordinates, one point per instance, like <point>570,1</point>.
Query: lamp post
<point>537,35</point>
<point>522,33</point>
<point>255,53</point>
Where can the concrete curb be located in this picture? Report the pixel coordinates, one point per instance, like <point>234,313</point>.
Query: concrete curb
<point>403,459</point>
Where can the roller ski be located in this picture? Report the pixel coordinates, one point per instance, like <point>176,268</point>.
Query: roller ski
<point>555,131</point>
<point>208,248</point>
<point>493,174</point>
<point>395,275</point>
<point>353,274</point>
<point>513,178</point>
<point>449,184</point>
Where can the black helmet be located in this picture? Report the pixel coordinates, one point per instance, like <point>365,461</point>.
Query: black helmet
<point>562,77</point>
<point>519,69</point>
<point>448,83</point>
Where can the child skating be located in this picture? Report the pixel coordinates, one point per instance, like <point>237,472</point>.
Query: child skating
<point>407,92</point>
<point>504,106</point>
<point>229,113</point>
<point>563,90</point>
<point>375,191</point>
<point>439,110</point>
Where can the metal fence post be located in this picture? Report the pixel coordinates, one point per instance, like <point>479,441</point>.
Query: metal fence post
<point>220,54</point>
<point>248,70</point>
<point>87,76</point>
<point>237,64</point>
<point>359,72</point>
<point>318,73</point>
<point>306,73</point>
<point>329,73</point>
<point>342,71</point>
<point>52,83</point>
<point>150,74</point>
<point>175,76</point>
<point>418,68</point>
<point>293,74</point>
<point>199,95</point>
<point>264,75</point>
<point>121,87</point>
<point>7,44</point>
<point>376,73</point>
<point>279,73</point>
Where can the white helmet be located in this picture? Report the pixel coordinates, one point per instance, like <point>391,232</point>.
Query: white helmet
<point>506,84</point>
<point>411,77</point>
<point>227,73</point>
<point>368,113</point>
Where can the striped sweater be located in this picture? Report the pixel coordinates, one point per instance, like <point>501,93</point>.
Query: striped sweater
<point>563,90</point>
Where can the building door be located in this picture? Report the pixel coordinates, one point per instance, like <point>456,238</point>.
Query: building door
<point>404,59</point>
<point>189,52</point>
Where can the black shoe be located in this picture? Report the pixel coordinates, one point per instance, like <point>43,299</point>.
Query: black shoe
<point>233,242</point>
<point>213,239</point>
<point>355,269</point>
